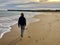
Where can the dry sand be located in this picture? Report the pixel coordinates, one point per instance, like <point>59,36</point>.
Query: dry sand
<point>44,32</point>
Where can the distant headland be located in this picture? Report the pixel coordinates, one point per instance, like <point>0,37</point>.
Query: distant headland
<point>36,10</point>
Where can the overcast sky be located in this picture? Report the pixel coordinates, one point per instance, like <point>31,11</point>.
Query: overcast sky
<point>6,4</point>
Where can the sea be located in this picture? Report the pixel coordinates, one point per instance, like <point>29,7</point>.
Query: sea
<point>9,18</point>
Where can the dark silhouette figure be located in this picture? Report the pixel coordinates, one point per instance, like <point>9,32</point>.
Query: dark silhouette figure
<point>22,23</point>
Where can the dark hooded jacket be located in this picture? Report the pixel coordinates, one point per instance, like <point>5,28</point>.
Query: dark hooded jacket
<point>22,21</point>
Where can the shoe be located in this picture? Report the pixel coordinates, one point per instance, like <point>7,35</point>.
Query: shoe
<point>22,36</point>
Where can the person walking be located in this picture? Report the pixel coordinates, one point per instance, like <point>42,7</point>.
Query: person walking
<point>22,23</point>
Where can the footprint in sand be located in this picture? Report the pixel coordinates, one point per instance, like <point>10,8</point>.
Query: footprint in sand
<point>59,42</point>
<point>36,41</point>
<point>42,38</point>
<point>29,32</point>
<point>29,36</point>
<point>20,39</point>
<point>57,20</point>
<point>26,28</point>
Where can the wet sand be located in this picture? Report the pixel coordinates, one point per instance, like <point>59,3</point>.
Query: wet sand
<point>44,32</point>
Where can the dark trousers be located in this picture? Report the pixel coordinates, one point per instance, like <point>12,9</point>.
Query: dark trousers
<point>22,30</point>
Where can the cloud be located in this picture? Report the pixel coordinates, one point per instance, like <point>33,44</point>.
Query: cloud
<point>5,2</point>
<point>25,4</point>
<point>9,3</point>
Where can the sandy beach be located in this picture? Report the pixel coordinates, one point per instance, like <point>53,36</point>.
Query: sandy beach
<point>44,32</point>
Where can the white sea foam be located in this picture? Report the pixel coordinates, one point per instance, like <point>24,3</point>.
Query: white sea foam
<point>7,21</point>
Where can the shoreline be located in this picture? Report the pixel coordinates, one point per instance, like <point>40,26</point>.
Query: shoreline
<point>2,34</point>
<point>44,32</point>
<point>7,31</point>
<point>7,35</point>
<point>34,20</point>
